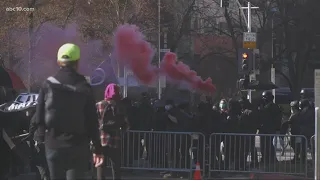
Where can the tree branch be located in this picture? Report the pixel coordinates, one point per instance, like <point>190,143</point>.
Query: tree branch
<point>71,10</point>
<point>184,21</point>
<point>285,77</point>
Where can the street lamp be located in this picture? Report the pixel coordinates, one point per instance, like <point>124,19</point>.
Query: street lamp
<point>272,70</point>
<point>159,53</point>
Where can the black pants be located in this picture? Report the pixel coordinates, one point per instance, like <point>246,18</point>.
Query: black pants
<point>68,163</point>
<point>40,162</point>
<point>5,162</point>
<point>114,154</point>
<point>268,151</point>
<point>300,151</point>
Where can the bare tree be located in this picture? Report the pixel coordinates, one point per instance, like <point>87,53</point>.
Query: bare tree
<point>294,28</point>
<point>297,36</point>
<point>291,25</point>
<point>99,19</point>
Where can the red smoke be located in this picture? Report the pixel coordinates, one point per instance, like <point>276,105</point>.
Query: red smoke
<point>136,53</point>
<point>181,72</point>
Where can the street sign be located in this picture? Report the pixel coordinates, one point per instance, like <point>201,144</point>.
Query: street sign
<point>164,50</point>
<point>249,40</point>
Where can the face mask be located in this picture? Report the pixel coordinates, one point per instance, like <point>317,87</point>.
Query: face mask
<point>168,107</point>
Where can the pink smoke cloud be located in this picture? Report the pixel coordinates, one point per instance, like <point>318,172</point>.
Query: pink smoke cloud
<point>133,51</point>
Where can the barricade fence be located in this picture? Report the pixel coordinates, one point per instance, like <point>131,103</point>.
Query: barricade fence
<point>258,152</point>
<point>312,144</point>
<point>162,151</point>
<point>219,152</point>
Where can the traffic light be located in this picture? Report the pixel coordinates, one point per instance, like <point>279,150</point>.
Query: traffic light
<point>245,62</point>
<point>224,3</point>
<point>256,61</point>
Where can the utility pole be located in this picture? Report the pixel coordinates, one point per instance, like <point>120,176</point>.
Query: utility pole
<point>317,124</point>
<point>253,75</point>
<point>249,30</point>
<point>273,70</point>
<point>125,82</point>
<point>159,53</point>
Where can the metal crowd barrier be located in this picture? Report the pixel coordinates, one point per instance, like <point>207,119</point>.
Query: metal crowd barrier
<point>162,151</point>
<point>312,143</point>
<point>252,153</point>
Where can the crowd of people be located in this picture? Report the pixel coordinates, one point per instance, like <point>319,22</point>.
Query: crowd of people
<point>67,119</point>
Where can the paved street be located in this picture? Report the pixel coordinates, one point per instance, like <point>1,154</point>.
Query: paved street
<point>139,175</point>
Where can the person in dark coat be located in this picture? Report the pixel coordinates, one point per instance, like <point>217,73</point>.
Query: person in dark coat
<point>231,141</point>
<point>306,123</point>
<point>296,122</point>
<point>4,150</point>
<point>248,125</point>
<point>270,116</point>
<point>66,111</point>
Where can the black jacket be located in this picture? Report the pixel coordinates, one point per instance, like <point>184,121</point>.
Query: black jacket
<point>270,117</point>
<point>248,122</point>
<point>307,121</point>
<point>295,122</point>
<point>77,124</point>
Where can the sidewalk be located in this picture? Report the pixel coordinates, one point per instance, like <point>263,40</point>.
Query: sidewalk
<point>276,176</point>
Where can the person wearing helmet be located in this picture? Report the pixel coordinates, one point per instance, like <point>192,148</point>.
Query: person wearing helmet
<point>307,115</point>
<point>308,95</point>
<point>66,111</point>
<point>295,123</point>
<point>248,125</point>
<point>305,94</point>
<point>270,115</point>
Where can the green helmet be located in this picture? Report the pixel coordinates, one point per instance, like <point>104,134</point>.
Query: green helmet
<point>68,53</point>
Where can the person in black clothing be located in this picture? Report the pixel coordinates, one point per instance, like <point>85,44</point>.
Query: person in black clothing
<point>232,124</point>
<point>270,116</point>
<point>248,125</point>
<point>307,125</point>
<point>146,113</point>
<point>39,157</point>
<point>67,113</point>
<point>307,113</point>
<point>4,150</point>
<point>307,94</point>
<point>295,122</point>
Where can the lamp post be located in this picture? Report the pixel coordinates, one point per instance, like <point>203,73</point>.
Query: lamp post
<point>273,70</point>
<point>159,53</point>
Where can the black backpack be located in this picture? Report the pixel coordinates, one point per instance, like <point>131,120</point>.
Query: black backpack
<point>65,107</point>
<point>113,117</point>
